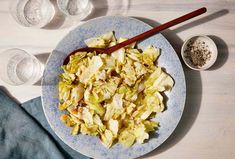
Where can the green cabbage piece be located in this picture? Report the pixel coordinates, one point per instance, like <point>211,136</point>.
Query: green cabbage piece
<point>140,133</point>
<point>94,66</point>
<point>126,138</point>
<point>107,138</point>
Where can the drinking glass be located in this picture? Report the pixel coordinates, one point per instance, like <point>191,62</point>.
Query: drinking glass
<point>78,9</point>
<point>32,13</point>
<point>17,67</point>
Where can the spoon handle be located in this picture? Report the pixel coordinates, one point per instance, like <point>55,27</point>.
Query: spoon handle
<point>157,29</point>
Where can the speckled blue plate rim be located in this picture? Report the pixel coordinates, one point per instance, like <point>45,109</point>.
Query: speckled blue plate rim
<point>127,27</point>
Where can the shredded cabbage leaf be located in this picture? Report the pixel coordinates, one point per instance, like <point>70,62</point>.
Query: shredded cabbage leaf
<point>114,97</point>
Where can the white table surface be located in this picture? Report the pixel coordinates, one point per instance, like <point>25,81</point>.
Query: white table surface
<point>207,128</point>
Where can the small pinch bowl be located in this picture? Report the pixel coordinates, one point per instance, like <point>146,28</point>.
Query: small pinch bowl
<point>211,46</point>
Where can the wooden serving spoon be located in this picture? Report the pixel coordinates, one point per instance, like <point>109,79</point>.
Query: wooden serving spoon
<point>140,36</point>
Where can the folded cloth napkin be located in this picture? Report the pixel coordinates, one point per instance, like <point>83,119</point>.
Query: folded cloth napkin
<point>25,133</point>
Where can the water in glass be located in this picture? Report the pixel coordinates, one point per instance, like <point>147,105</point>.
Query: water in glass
<point>18,67</point>
<point>32,13</point>
<point>78,9</point>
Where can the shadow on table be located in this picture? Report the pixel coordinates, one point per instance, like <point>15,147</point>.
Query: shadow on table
<point>202,20</point>
<point>193,78</point>
<point>222,52</point>
<point>42,57</point>
<point>60,20</point>
<point>99,8</point>
<point>4,89</point>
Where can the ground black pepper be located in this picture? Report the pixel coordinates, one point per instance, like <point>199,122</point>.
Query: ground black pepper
<point>197,52</point>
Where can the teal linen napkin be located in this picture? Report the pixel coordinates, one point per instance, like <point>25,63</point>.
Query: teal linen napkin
<point>25,133</point>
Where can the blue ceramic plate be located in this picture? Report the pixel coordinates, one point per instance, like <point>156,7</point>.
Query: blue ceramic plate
<point>125,27</point>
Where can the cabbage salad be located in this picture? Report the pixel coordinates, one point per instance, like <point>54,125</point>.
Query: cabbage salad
<point>113,96</point>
